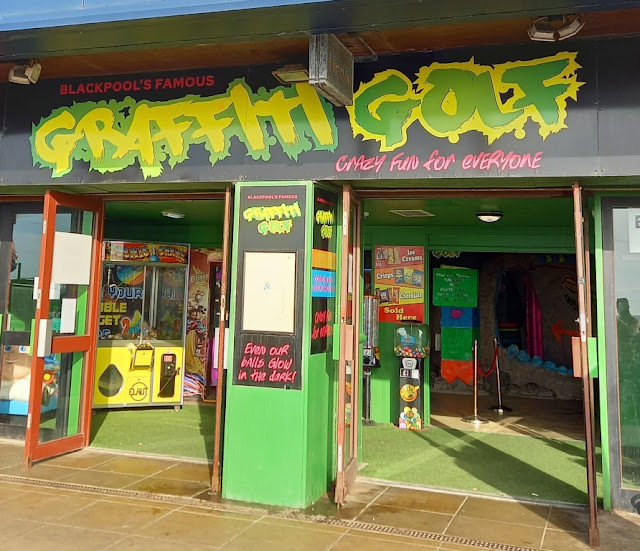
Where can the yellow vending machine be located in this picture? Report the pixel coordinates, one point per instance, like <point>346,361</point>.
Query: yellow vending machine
<point>140,356</point>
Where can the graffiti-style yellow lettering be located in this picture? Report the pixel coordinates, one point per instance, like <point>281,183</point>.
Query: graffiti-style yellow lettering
<point>273,219</point>
<point>111,136</point>
<point>384,108</point>
<point>451,99</point>
<point>275,226</point>
<point>54,146</point>
<point>269,213</point>
<point>325,217</point>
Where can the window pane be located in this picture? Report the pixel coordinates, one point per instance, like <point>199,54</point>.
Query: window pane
<point>626,233</point>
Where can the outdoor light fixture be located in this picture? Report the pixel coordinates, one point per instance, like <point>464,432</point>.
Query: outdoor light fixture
<point>25,74</point>
<point>489,216</point>
<point>173,214</point>
<point>555,27</point>
<point>291,73</point>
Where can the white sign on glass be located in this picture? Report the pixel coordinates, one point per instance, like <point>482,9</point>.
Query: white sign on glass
<point>68,316</point>
<point>269,292</point>
<point>633,220</point>
<point>71,258</point>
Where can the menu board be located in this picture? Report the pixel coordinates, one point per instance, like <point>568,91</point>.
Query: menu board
<point>268,361</point>
<point>455,287</point>
<point>323,272</point>
<point>399,282</point>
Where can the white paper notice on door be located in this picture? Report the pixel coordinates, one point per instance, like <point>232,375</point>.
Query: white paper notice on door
<point>269,292</point>
<point>633,220</point>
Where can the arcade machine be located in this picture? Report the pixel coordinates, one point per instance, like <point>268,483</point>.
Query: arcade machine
<point>411,345</point>
<point>140,355</point>
<point>370,350</point>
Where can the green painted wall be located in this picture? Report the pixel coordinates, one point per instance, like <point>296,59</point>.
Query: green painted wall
<point>602,354</point>
<point>279,444</point>
<point>197,236</point>
<point>384,380</point>
<point>490,238</point>
<point>320,390</point>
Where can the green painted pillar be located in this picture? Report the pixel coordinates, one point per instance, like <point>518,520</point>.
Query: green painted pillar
<point>279,435</point>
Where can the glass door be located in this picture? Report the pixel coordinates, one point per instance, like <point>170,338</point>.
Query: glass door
<point>66,320</point>
<point>349,366</point>
<point>579,346</point>
<point>20,236</point>
<point>621,248</point>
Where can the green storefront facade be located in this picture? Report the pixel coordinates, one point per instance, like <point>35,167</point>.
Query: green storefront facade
<point>512,129</point>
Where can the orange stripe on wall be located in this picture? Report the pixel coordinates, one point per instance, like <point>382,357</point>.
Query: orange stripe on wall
<point>323,260</point>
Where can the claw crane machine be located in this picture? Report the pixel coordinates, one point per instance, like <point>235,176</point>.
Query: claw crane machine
<point>140,355</point>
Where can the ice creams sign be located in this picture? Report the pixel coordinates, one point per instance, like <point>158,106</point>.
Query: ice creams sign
<point>399,283</point>
<point>447,100</point>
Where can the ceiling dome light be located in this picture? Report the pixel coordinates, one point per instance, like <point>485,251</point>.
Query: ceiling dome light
<point>489,216</point>
<point>173,214</point>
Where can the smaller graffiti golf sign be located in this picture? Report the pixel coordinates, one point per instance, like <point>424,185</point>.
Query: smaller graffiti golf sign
<point>271,229</point>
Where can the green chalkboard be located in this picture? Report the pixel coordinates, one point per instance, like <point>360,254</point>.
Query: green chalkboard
<point>455,287</point>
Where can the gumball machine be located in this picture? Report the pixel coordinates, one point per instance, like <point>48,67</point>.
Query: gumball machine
<point>411,345</point>
<point>370,351</point>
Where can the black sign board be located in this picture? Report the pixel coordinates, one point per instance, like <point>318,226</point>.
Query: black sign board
<point>532,110</point>
<point>267,360</point>
<point>323,273</point>
<point>271,219</point>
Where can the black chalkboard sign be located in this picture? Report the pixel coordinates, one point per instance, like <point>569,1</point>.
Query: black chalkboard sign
<point>271,219</point>
<point>267,360</point>
<point>323,273</point>
<point>455,287</point>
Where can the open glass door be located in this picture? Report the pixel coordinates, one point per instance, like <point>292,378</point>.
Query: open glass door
<point>216,478</point>
<point>20,234</point>
<point>621,255</point>
<point>349,366</point>
<point>67,303</point>
<point>583,273</point>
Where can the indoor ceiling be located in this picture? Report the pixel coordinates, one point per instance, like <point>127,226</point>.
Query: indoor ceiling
<point>522,212</point>
<point>196,213</point>
<point>517,212</point>
<point>363,44</point>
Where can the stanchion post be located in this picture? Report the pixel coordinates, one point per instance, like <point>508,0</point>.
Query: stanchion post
<point>475,418</point>
<point>500,408</point>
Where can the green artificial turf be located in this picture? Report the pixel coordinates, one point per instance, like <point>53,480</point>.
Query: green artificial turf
<point>188,432</point>
<point>516,466</point>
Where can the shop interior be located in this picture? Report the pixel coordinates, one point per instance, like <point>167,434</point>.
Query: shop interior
<point>155,380</point>
<point>514,293</point>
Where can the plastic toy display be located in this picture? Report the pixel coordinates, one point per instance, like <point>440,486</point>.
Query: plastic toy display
<point>411,345</point>
<point>411,341</point>
<point>140,356</point>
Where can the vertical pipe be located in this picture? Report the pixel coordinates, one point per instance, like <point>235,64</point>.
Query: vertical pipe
<point>475,379</point>
<point>593,533</point>
<point>497,357</point>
